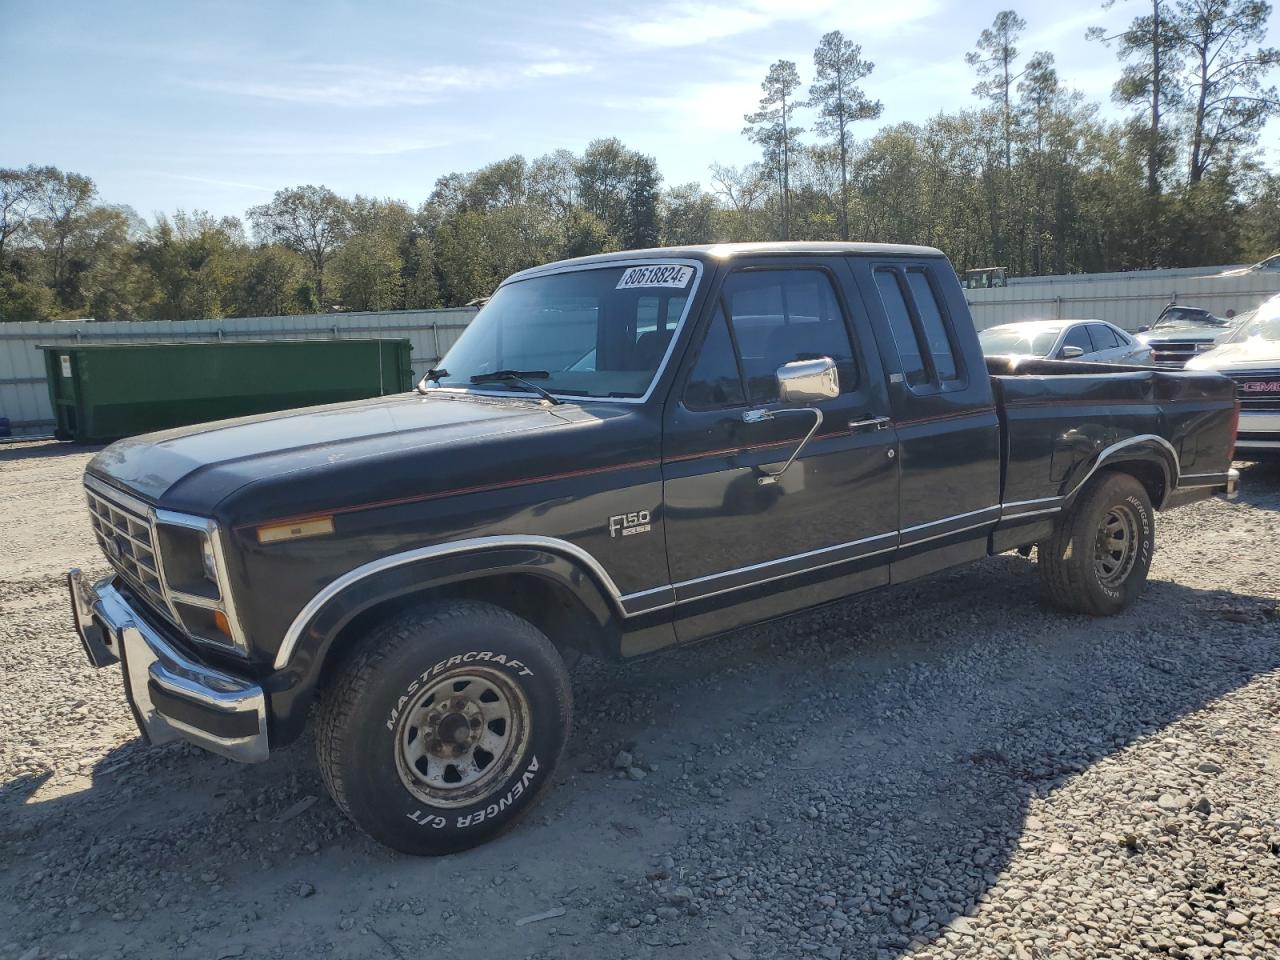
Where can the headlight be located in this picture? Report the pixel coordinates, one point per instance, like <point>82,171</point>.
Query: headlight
<point>195,580</point>
<point>189,563</point>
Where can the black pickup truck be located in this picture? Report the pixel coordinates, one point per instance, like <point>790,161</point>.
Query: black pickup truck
<point>621,453</point>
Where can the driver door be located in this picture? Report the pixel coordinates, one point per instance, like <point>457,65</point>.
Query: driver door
<point>739,549</point>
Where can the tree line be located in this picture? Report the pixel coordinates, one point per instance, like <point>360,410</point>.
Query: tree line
<point>1032,178</point>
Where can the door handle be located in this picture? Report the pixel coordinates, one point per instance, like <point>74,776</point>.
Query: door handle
<point>875,423</point>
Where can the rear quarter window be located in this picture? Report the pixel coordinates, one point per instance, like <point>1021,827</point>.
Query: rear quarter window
<point>919,325</point>
<point>900,326</point>
<point>941,349</point>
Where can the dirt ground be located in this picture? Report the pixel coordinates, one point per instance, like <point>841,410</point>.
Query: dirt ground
<point>945,769</point>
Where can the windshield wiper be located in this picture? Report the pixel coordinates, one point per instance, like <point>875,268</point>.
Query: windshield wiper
<point>521,377</point>
<point>435,375</point>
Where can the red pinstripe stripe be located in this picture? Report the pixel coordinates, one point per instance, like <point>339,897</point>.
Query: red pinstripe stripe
<point>958,415</point>
<point>439,494</point>
<point>566,475</point>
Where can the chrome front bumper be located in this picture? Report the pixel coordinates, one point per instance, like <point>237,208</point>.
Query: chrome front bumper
<point>172,696</point>
<point>1257,430</point>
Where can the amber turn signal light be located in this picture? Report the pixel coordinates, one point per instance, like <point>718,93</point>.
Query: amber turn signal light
<point>296,530</point>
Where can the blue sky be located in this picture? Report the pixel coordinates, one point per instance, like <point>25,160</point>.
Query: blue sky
<point>212,106</point>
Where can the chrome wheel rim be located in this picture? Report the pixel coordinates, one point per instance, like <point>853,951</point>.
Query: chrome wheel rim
<point>461,735</point>
<point>1116,546</point>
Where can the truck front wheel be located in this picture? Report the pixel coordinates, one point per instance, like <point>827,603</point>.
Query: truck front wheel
<point>444,726</point>
<point>1097,559</point>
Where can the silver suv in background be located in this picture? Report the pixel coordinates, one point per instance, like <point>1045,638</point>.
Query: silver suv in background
<point>1093,340</point>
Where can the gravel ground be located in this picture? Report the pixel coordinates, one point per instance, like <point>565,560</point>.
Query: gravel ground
<point>946,769</point>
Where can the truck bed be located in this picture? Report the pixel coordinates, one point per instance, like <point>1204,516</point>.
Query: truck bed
<point>1060,417</point>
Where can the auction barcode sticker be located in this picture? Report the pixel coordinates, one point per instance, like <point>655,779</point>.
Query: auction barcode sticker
<point>657,275</point>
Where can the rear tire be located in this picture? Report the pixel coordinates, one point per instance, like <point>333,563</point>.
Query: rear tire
<point>443,728</point>
<point>1097,559</point>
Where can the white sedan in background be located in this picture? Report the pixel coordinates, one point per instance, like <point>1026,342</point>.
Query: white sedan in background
<point>1094,340</point>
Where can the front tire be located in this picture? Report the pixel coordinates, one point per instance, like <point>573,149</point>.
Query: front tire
<point>444,726</point>
<point>1097,559</point>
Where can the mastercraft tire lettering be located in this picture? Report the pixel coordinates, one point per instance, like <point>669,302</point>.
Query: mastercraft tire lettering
<point>444,726</point>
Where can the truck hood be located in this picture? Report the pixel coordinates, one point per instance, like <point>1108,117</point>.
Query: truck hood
<point>1197,332</point>
<point>193,468</point>
<point>1255,353</point>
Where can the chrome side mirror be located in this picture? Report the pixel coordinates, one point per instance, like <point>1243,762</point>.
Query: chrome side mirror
<point>1071,353</point>
<point>804,381</point>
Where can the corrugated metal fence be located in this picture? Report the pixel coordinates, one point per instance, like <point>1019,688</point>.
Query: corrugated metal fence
<point>24,394</point>
<point>1127,300</point>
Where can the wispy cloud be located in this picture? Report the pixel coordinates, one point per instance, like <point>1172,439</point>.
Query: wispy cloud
<point>358,85</point>
<point>684,24</point>
<point>213,181</point>
<point>356,145</point>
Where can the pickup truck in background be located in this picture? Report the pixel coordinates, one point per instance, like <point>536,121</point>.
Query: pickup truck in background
<point>1250,356</point>
<point>1182,333</point>
<point>621,453</point>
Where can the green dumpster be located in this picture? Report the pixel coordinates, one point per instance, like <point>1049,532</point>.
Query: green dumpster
<point>106,391</point>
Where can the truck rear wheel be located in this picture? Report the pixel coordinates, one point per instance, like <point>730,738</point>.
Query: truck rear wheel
<point>1097,559</point>
<point>444,726</point>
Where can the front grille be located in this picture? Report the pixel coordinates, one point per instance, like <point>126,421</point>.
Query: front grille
<point>1257,391</point>
<point>127,541</point>
<point>1172,353</point>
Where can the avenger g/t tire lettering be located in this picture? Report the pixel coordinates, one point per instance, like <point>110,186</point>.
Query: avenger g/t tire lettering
<point>1097,559</point>
<point>444,726</point>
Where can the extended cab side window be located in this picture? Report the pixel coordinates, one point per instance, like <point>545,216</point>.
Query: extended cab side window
<point>905,338</point>
<point>778,316</point>
<point>941,349</point>
<point>920,332</point>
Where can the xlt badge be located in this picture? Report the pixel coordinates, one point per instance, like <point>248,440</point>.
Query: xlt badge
<point>629,524</point>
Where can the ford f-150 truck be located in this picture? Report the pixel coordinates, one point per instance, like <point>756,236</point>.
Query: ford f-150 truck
<point>621,453</point>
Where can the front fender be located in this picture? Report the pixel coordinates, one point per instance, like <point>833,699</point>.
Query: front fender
<point>300,660</point>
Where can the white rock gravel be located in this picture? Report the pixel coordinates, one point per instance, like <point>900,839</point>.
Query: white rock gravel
<point>944,770</point>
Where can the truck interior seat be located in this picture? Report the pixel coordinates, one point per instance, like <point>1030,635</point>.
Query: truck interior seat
<point>649,349</point>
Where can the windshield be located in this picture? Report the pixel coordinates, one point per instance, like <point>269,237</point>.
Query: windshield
<point>594,332</point>
<point>1263,323</point>
<point>1175,317</point>
<point>1036,343</point>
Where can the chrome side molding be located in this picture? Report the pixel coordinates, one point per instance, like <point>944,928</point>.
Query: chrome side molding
<point>1120,445</point>
<point>1011,510</point>
<point>294,633</point>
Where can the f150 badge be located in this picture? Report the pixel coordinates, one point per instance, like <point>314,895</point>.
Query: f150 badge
<point>629,524</point>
